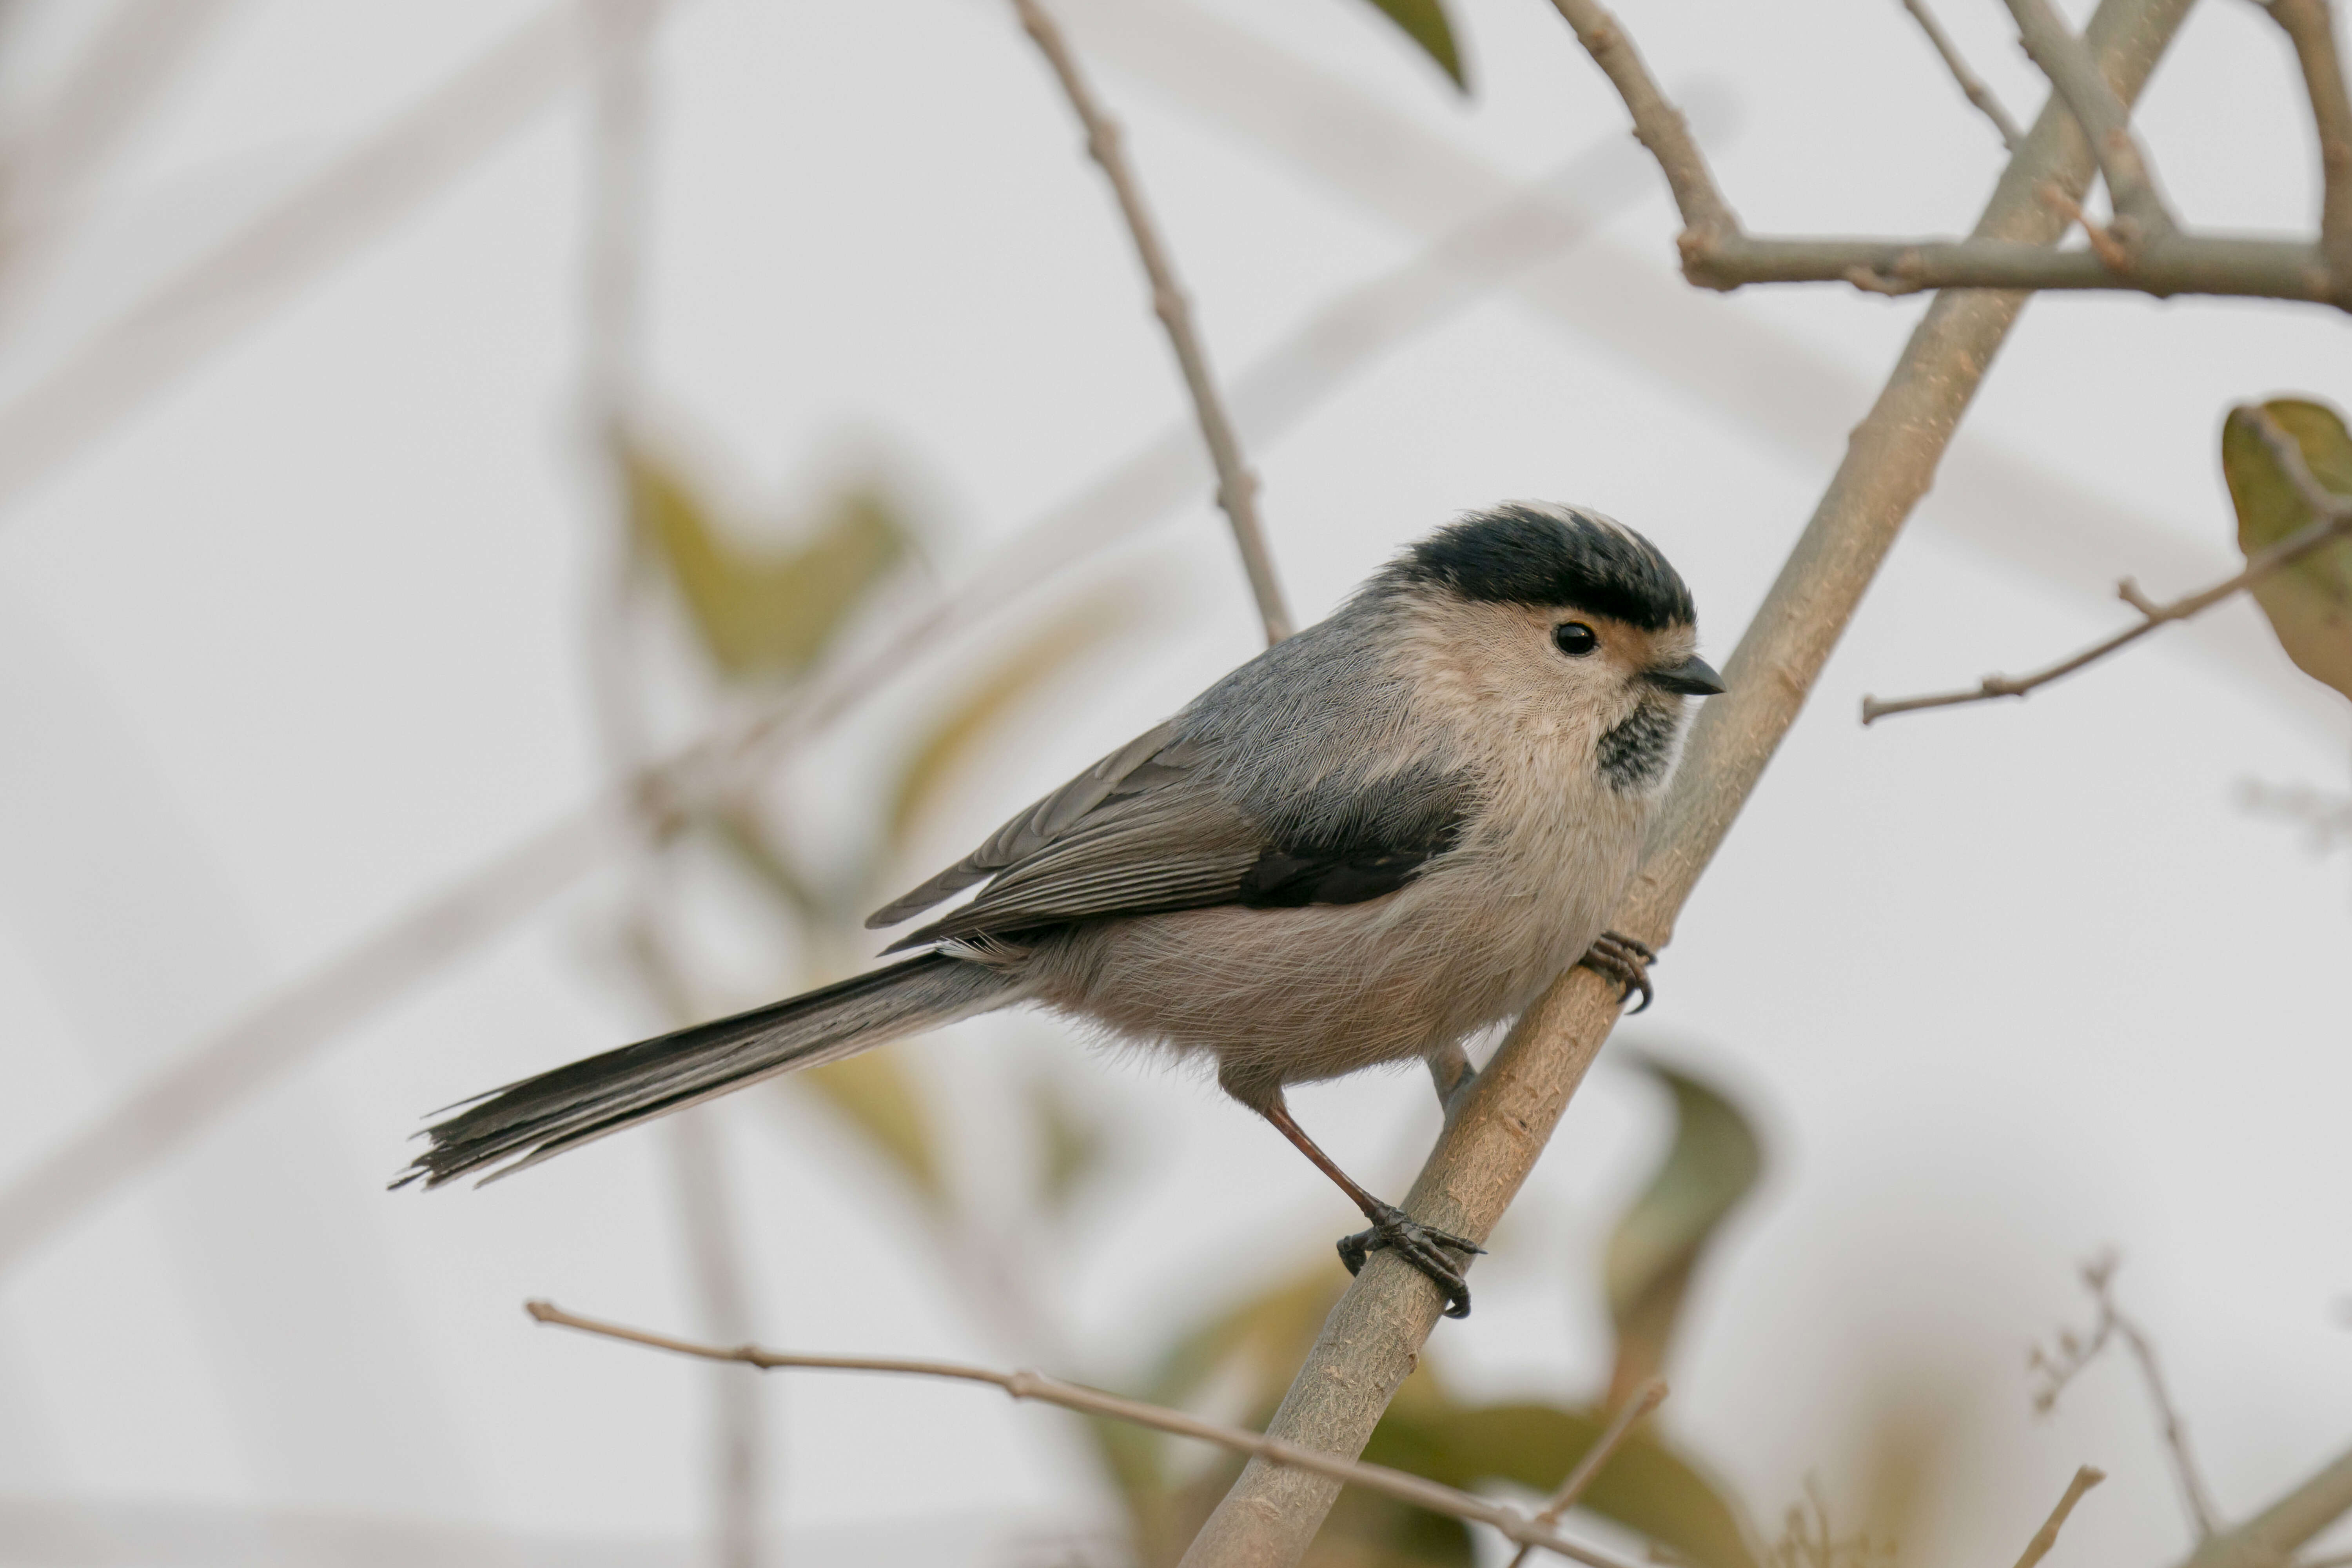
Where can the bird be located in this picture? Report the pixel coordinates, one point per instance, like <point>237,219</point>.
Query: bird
<point>1376,838</point>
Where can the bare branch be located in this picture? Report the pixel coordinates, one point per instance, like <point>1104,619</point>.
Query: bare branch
<point>2144,251</point>
<point>2174,264</point>
<point>1397,1484</point>
<point>2310,25</point>
<point>2047,1536</point>
<point>2100,114</point>
<point>1971,84</point>
<point>2332,522</point>
<point>2077,1352</point>
<point>1371,1341</point>
<point>1604,1448</point>
<point>1237,487</point>
<point>2272,1536</point>
<point>1658,125</point>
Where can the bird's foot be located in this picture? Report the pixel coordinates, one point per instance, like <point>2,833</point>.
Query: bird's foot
<point>1418,1245</point>
<point>1626,960</point>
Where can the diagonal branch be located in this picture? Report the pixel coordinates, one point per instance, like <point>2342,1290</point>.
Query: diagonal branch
<point>1972,85</point>
<point>1658,125</point>
<point>1372,1337</point>
<point>1398,1484</point>
<point>2332,522</point>
<point>1237,487</point>
<point>2271,1536</point>
<point>2047,1536</point>
<point>2310,26</point>
<point>2100,114</point>
<point>1588,1469</point>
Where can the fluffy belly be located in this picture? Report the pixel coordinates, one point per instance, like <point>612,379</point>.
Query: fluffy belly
<point>1291,995</point>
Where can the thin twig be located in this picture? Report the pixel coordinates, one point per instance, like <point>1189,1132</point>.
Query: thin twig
<point>1023,1384</point>
<point>2047,1536</point>
<point>2077,1352</point>
<point>1604,1448</point>
<point>1237,487</point>
<point>2102,115</point>
<point>1971,84</point>
<point>2310,26</point>
<point>2332,522</point>
<point>1658,125</point>
<point>1369,1341</point>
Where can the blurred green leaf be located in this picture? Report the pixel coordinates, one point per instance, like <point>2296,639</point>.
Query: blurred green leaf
<point>1254,1348</point>
<point>989,701</point>
<point>762,611</point>
<point>2310,602</point>
<point>1646,1486</point>
<point>871,1091</point>
<point>1072,1147</point>
<point>1713,1162</point>
<point>1424,22</point>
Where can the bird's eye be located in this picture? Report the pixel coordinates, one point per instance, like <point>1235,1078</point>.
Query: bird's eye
<point>1574,638</point>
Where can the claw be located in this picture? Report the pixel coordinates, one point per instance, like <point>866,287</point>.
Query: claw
<point>1418,1245</point>
<point>1626,960</point>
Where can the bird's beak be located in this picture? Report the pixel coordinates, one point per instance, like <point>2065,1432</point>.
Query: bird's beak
<point>1694,677</point>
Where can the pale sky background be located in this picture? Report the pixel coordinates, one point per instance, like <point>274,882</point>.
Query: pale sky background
<point>301,637</point>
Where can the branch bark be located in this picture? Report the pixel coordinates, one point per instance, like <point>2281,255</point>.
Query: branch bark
<point>2047,1536</point>
<point>1369,1341</point>
<point>2310,26</point>
<point>2273,1536</point>
<point>2131,186</point>
<point>1237,487</point>
<point>1398,1484</point>
<point>1972,85</point>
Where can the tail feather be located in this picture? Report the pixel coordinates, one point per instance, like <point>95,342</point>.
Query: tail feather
<point>540,1117</point>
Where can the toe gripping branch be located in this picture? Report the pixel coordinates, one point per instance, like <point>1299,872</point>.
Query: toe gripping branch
<point>1627,961</point>
<point>1420,1246</point>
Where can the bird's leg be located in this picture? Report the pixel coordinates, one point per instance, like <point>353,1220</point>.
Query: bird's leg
<point>1451,1072</point>
<point>1623,959</point>
<point>1391,1226</point>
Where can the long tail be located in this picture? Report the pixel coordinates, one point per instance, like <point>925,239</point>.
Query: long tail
<point>528,1121</point>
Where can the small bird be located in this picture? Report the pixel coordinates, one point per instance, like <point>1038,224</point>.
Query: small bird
<point>1378,837</point>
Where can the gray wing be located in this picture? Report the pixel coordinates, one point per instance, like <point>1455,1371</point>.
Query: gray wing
<point>1151,759</point>
<point>1145,831</point>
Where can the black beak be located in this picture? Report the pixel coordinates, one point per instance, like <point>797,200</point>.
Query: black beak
<point>1694,677</point>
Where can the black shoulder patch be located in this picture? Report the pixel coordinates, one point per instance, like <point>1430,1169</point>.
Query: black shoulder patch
<point>1520,553</point>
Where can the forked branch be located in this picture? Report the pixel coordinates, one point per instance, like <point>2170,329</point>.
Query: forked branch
<point>2331,522</point>
<point>2146,252</point>
<point>1529,1531</point>
<point>1236,485</point>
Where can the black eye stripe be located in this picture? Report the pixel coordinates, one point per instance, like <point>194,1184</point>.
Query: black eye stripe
<point>1574,638</point>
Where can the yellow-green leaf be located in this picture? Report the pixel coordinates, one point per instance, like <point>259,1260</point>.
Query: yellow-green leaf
<point>871,1092</point>
<point>1424,21</point>
<point>2310,602</point>
<point>1646,1486</point>
<point>1713,1162</point>
<point>761,612</point>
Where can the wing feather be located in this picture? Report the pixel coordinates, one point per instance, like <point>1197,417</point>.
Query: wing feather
<point>1145,762</point>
